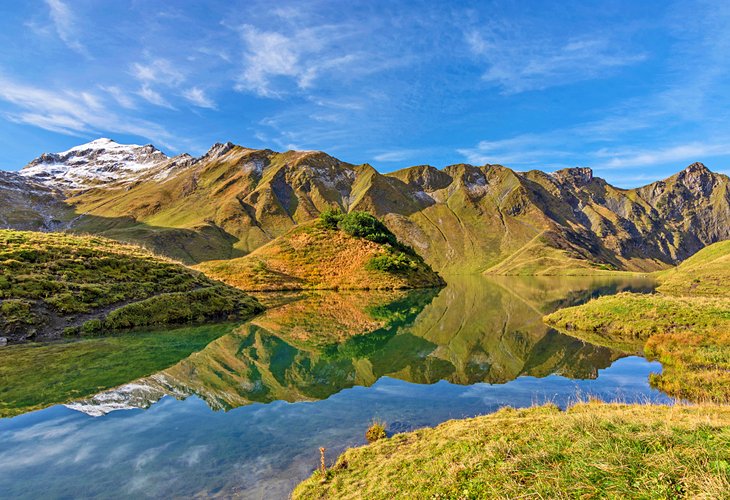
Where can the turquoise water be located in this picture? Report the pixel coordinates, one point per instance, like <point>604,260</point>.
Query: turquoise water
<point>245,415</point>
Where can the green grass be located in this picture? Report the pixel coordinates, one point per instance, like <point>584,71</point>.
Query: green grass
<point>686,326</point>
<point>703,274</point>
<point>592,450</point>
<point>52,282</point>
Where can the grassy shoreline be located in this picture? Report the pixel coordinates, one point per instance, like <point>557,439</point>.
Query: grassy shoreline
<point>54,284</point>
<point>591,450</point>
<point>685,325</point>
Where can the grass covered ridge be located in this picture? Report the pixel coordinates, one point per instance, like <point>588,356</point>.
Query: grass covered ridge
<point>336,251</point>
<point>706,273</point>
<point>592,450</point>
<point>52,283</point>
<point>686,326</point>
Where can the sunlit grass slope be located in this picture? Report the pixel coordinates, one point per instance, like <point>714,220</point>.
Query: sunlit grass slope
<point>329,254</point>
<point>53,283</point>
<point>706,273</point>
<point>592,450</point>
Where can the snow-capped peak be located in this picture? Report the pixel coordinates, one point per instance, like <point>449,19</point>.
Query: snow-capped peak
<point>101,143</point>
<point>99,162</point>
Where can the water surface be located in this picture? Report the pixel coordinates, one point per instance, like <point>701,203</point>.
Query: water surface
<point>245,414</point>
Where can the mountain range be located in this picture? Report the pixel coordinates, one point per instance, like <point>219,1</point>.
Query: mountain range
<point>461,219</point>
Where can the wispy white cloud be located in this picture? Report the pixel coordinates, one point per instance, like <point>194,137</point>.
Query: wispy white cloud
<point>396,155</point>
<point>274,60</point>
<point>520,150</point>
<point>522,64</point>
<point>65,23</point>
<point>197,96</point>
<point>73,112</point>
<point>695,151</point>
<point>155,74</point>
<point>153,97</point>
<point>268,55</point>
<point>159,70</point>
<point>122,97</point>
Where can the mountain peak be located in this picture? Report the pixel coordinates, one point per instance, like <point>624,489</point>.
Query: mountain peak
<point>697,167</point>
<point>219,149</point>
<point>101,161</point>
<point>579,176</point>
<point>697,178</point>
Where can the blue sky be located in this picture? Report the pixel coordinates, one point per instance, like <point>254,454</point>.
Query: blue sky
<point>635,90</point>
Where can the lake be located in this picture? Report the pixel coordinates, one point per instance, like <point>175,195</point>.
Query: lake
<point>241,410</point>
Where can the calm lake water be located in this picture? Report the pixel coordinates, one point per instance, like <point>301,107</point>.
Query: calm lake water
<point>241,410</point>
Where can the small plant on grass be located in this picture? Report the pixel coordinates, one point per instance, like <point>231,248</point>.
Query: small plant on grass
<point>375,432</point>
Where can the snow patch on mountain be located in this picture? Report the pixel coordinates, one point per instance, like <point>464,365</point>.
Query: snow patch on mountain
<point>99,162</point>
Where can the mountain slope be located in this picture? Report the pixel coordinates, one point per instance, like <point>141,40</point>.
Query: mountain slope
<point>29,205</point>
<point>53,284</point>
<point>462,218</point>
<point>706,273</point>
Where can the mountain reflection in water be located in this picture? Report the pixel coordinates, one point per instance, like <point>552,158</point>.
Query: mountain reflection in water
<point>477,329</point>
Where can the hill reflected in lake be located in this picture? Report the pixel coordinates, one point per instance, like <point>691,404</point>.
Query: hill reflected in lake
<point>477,329</point>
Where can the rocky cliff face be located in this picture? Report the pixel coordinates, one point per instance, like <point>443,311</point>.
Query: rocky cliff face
<point>28,205</point>
<point>462,218</point>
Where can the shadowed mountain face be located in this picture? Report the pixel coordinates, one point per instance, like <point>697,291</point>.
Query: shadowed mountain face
<point>460,219</point>
<point>475,330</point>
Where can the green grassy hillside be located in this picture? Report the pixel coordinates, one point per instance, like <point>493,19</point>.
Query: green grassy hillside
<point>686,325</point>
<point>592,450</point>
<point>53,284</point>
<point>706,273</point>
<point>337,251</point>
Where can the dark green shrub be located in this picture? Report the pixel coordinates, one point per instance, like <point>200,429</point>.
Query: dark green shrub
<point>331,217</point>
<point>91,327</point>
<point>15,311</point>
<point>71,331</point>
<point>392,263</point>
<point>364,225</point>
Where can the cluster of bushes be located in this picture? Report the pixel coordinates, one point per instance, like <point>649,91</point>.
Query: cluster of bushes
<point>399,258</point>
<point>14,311</point>
<point>392,262</point>
<point>360,224</point>
<point>211,303</point>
